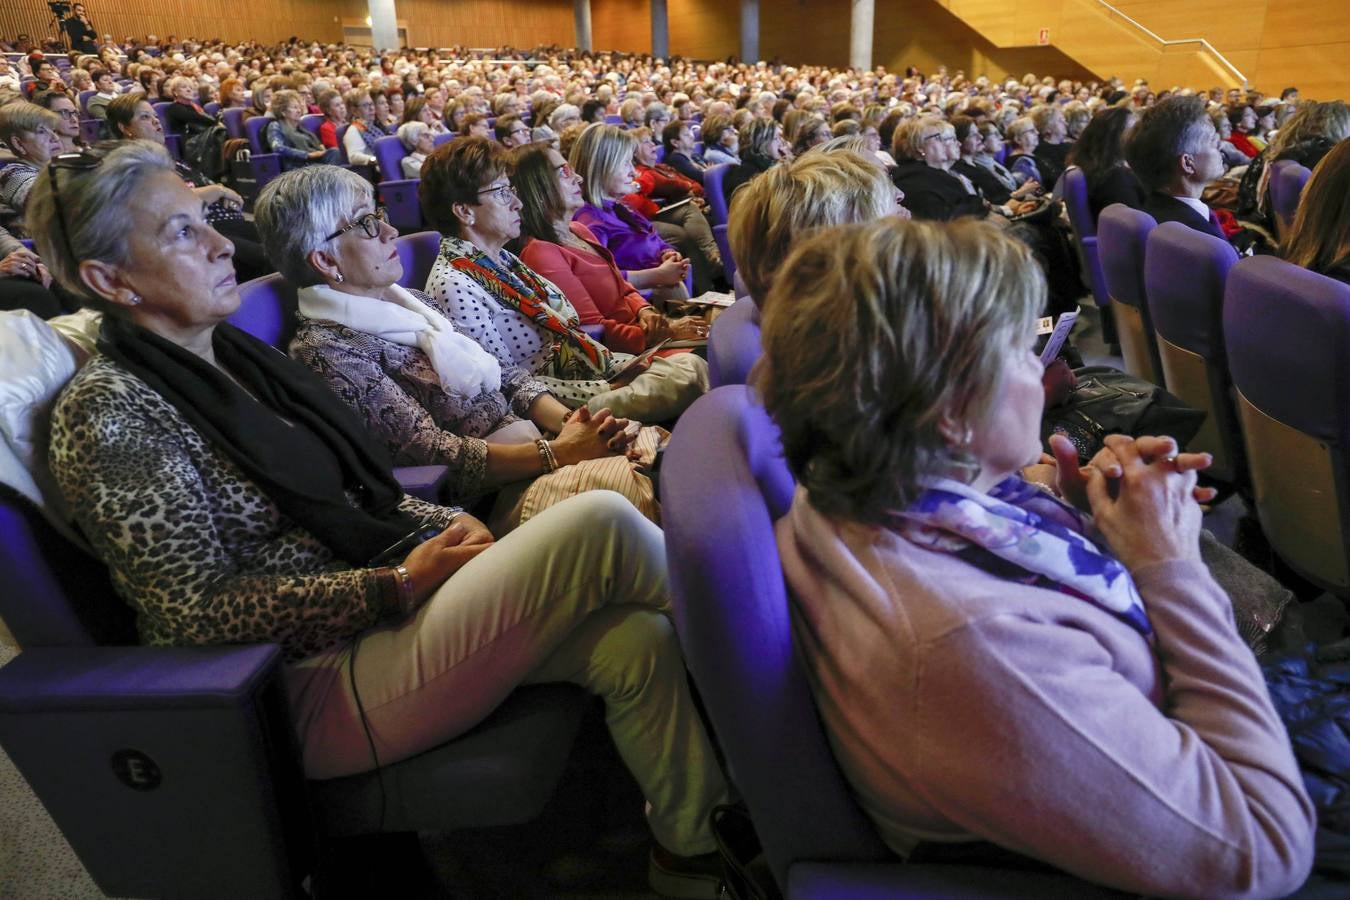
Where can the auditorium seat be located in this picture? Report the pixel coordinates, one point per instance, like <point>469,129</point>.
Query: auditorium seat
<point>311,122</point>
<point>1287,333</point>
<point>1287,180</point>
<point>418,254</point>
<point>724,247</point>
<point>398,194</point>
<point>263,166</point>
<point>234,123</point>
<point>211,108</point>
<point>731,611</point>
<point>1184,276</point>
<point>712,192</point>
<point>1074,192</point>
<point>1122,235</point>
<point>733,344</point>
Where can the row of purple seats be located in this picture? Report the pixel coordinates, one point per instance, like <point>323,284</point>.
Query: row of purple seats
<point>1287,180</point>
<point>1072,189</point>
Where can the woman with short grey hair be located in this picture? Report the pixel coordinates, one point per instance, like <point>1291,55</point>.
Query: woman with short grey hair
<point>430,394</point>
<point>29,131</point>
<point>235,499</point>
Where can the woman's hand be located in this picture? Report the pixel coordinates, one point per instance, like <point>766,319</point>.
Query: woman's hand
<point>1070,480</point>
<point>585,436</point>
<point>316,154</point>
<point>690,328</point>
<point>1028,189</point>
<point>22,263</point>
<point>1153,516</point>
<point>654,325</point>
<point>432,562</point>
<point>672,268</point>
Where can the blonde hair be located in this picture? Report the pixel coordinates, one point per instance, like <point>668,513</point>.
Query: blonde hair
<point>282,99</point>
<point>1020,126</point>
<point>873,335</point>
<point>21,117</point>
<point>772,211</point>
<point>600,152</point>
<point>907,142</point>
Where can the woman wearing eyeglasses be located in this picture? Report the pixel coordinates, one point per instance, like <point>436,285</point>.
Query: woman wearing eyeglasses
<point>429,394</point>
<point>235,499</point>
<point>29,131</point>
<point>925,150</point>
<point>68,118</point>
<point>516,314</point>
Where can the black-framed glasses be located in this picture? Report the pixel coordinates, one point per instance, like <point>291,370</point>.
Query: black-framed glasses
<point>79,161</point>
<point>369,223</point>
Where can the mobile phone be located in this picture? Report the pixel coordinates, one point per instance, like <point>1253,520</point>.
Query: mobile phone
<point>398,551</point>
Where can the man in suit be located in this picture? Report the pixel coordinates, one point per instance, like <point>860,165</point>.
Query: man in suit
<point>1174,149</point>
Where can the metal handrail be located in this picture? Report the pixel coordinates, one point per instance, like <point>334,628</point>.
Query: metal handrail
<point>1206,44</point>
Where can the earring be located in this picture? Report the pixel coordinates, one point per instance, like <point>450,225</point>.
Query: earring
<point>338,278</point>
<point>960,464</point>
<point>134,299</point>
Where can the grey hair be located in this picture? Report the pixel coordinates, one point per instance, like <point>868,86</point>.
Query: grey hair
<point>565,109</point>
<point>93,204</point>
<point>298,209</point>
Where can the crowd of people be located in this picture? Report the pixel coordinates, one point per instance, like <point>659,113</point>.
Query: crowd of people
<point>1006,646</point>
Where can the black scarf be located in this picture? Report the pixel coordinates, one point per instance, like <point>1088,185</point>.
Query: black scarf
<point>304,467</point>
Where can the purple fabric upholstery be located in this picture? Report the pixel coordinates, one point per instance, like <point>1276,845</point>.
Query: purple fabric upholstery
<point>263,166</point>
<point>1122,236</point>
<point>595,330</point>
<point>342,146</point>
<point>211,108</point>
<point>724,247</point>
<point>91,130</point>
<point>418,254</point>
<point>1287,331</point>
<point>253,129</point>
<point>712,192</point>
<point>1073,188</point>
<point>733,344</point>
<point>1184,275</point>
<point>234,122</point>
<point>403,204</point>
<point>311,122</point>
<point>1287,180</point>
<point>738,286</point>
<point>83,99</point>
<point>1074,192</point>
<point>267,310</point>
<point>423,482</point>
<point>731,611</point>
<point>389,155</point>
<point>162,111</point>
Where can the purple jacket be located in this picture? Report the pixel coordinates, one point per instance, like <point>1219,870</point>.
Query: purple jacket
<point>628,234</point>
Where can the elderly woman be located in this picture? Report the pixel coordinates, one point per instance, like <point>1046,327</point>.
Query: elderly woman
<point>1100,153</point>
<point>678,140</point>
<point>512,131</point>
<point>131,118</point>
<point>232,94</point>
<point>67,118</point>
<point>430,395</point>
<point>603,157</point>
<point>925,149</point>
<point>185,114</point>
<point>418,139</point>
<point>260,102</point>
<point>1022,160</point>
<point>762,146</point>
<point>234,498</point>
<point>811,131</point>
<point>994,189</point>
<point>365,130</point>
<point>660,190</point>
<point>991,664</point>
<point>721,143</point>
<point>568,255</point>
<point>285,136</point>
<point>519,317</point>
<point>334,111</point>
<point>29,132</point>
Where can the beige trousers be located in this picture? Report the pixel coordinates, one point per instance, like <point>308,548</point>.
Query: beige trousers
<point>576,594</point>
<point>659,394</point>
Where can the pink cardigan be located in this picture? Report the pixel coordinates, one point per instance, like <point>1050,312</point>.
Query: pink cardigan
<point>594,286</point>
<point>965,707</point>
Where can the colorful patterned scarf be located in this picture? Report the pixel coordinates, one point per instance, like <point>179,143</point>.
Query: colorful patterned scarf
<point>575,356</point>
<point>1019,532</point>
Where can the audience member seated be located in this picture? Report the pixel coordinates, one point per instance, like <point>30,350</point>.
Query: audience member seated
<point>1306,139</point>
<point>475,125</point>
<point>569,256</point>
<point>811,131</point>
<point>762,146</point>
<point>721,143</point>
<point>1174,150</point>
<point>107,91</point>
<point>429,395</point>
<point>514,313</point>
<point>1052,149</point>
<point>286,137</point>
<point>186,116</point>
<point>787,202</point>
<point>1320,237</point>
<point>986,156</point>
<point>660,194</point>
<point>366,128</point>
<point>1022,160</point>
<point>1100,153</point>
<point>269,507</point>
<point>334,111</point>
<point>418,139</point>
<point>1243,120</point>
<point>603,157</point>
<point>512,131</point>
<point>67,118</point>
<point>25,282</point>
<point>131,118</point>
<point>678,140</point>
<point>1232,156</point>
<point>233,94</point>
<point>29,132</point>
<point>925,149</point>
<point>1039,666</point>
<point>260,103</point>
<point>995,189</point>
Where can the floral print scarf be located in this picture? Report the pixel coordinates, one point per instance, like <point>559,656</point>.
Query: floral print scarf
<point>1020,532</point>
<point>576,356</point>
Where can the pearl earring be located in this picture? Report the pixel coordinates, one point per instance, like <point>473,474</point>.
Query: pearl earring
<point>338,278</point>
<point>135,299</point>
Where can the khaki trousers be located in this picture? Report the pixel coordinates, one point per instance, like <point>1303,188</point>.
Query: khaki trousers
<point>576,594</point>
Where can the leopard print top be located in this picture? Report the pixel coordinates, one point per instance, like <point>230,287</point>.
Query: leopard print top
<point>196,548</point>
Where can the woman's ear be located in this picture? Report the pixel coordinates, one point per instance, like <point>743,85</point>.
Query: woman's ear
<point>326,264</point>
<point>464,212</point>
<point>954,430</point>
<point>107,281</point>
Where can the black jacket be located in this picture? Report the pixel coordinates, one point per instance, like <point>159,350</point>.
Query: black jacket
<point>1164,208</point>
<point>934,194</point>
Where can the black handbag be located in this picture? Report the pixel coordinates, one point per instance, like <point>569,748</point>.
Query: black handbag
<point>1108,401</point>
<point>745,869</point>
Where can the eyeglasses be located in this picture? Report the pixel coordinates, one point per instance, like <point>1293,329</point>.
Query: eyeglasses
<point>369,223</point>
<point>504,193</point>
<point>565,170</point>
<point>68,113</point>
<point>516,131</point>
<point>79,162</point>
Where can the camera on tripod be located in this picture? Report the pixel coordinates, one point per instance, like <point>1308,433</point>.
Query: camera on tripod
<point>58,8</point>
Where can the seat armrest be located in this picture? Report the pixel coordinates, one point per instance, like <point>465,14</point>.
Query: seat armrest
<point>46,679</point>
<point>423,482</point>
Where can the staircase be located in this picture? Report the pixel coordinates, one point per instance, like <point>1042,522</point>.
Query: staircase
<point>1102,39</point>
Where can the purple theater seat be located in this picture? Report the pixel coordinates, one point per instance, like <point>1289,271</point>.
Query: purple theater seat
<point>613,120</point>
<point>174,771</point>
<point>418,253</point>
<point>389,155</point>
<point>731,612</point>
<point>234,122</point>
<point>1287,180</point>
<point>342,146</point>
<point>398,194</point>
<point>263,166</point>
<point>1184,276</point>
<point>712,192</point>
<point>1122,235</point>
<point>91,130</point>
<point>161,109</point>
<point>212,108</point>
<point>445,138</point>
<point>1287,332</point>
<point>311,122</point>
<point>83,99</point>
<point>733,344</point>
<point>1073,190</point>
<point>724,247</point>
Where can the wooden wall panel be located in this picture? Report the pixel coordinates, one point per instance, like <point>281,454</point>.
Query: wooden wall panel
<point>488,23</point>
<point>232,20</point>
<point>621,25</point>
<point>708,29</point>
